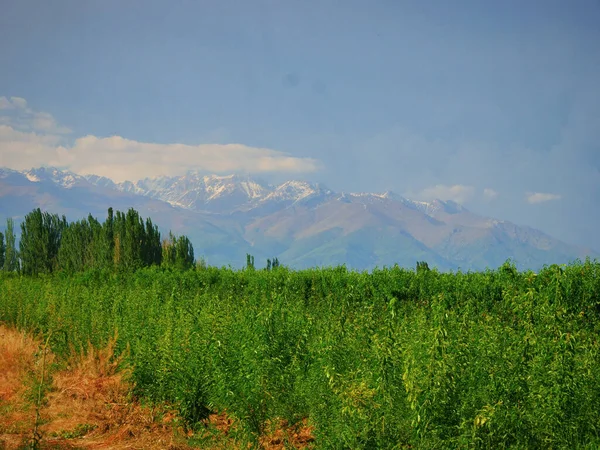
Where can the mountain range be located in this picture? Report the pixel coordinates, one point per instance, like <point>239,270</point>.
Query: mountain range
<point>302,224</point>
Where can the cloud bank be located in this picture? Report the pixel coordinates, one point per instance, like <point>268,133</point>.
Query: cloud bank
<point>31,138</point>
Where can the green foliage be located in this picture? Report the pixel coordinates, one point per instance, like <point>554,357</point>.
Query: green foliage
<point>177,252</point>
<point>41,234</point>
<point>78,245</point>
<point>272,264</point>
<point>2,251</point>
<point>124,242</point>
<point>10,255</point>
<point>137,243</point>
<point>422,266</point>
<point>394,358</point>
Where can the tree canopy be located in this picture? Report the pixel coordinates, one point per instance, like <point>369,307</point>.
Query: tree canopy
<point>125,241</point>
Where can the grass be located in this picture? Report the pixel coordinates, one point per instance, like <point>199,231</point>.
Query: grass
<point>88,404</point>
<point>388,359</point>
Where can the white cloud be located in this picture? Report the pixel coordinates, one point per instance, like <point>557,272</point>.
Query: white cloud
<point>17,114</point>
<point>9,135</point>
<point>540,197</point>
<point>31,138</point>
<point>458,193</point>
<point>23,150</point>
<point>122,159</point>
<point>19,102</point>
<point>5,103</point>
<point>43,121</point>
<point>489,194</point>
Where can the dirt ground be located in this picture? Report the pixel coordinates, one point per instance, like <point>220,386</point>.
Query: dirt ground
<point>87,403</point>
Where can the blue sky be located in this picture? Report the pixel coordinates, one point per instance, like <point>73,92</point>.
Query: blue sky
<point>493,104</point>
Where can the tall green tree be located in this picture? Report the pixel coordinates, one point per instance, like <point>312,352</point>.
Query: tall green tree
<point>249,261</point>
<point>118,238</point>
<point>136,243</point>
<point>124,241</point>
<point>94,255</point>
<point>2,251</point>
<point>177,252</point>
<point>152,251</point>
<point>10,256</point>
<point>169,251</point>
<point>107,242</point>
<point>133,240</point>
<point>41,234</point>
<point>184,253</point>
<point>76,251</point>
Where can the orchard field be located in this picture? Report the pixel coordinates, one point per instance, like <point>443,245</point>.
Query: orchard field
<point>393,358</point>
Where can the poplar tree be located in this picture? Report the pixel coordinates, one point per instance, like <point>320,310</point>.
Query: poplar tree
<point>2,251</point>
<point>107,247</point>
<point>177,252</point>
<point>169,251</point>
<point>184,253</point>
<point>10,256</point>
<point>40,241</point>
<point>125,241</point>
<point>76,247</point>
<point>152,251</point>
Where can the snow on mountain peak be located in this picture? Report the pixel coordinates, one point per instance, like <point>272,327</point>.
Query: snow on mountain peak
<point>198,191</point>
<point>428,208</point>
<point>216,186</point>
<point>60,177</point>
<point>433,207</point>
<point>253,189</point>
<point>295,191</point>
<point>212,178</point>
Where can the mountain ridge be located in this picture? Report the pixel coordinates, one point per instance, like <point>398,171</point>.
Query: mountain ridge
<point>307,223</point>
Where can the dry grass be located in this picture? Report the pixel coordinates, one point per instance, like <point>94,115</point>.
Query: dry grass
<point>283,436</point>
<point>17,359</point>
<point>20,360</point>
<point>89,405</point>
<point>221,431</point>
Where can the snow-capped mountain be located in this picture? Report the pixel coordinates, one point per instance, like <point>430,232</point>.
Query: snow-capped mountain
<point>59,177</point>
<point>295,191</point>
<point>303,224</point>
<point>215,193</point>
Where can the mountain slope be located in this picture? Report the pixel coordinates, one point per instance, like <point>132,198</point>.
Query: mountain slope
<point>302,224</point>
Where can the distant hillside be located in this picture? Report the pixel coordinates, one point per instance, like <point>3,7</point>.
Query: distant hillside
<point>302,224</point>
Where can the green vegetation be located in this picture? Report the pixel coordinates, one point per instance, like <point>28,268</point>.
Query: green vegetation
<point>394,358</point>
<point>2,251</point>
<point>123,242</point>
<point>10,250</point>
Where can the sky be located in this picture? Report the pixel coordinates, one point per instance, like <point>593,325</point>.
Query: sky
<point>495,105</point>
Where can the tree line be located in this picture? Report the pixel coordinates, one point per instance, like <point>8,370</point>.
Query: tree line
<point>125,241</point>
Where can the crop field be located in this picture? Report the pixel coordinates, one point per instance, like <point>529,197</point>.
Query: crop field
<point>392,358</point>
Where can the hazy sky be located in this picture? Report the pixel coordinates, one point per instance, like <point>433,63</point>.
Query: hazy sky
<point>495,104</point>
